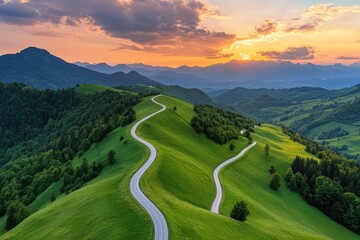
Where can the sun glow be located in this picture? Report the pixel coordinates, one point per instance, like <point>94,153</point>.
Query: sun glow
<point>244,57</point>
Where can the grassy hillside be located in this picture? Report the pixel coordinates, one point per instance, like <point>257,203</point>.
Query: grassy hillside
<point>306,110</point>
<point>180,183</point>
<point>93,88</point>
<point>278,215</point>
<point>97,210</point>
<point>192,95</point>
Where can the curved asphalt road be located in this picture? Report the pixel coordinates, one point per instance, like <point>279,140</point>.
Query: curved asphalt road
<point>216,204</point>
<point>161,228</point>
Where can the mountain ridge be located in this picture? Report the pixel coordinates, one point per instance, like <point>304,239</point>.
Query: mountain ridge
<point>251,74</point>
<point>39,68</point>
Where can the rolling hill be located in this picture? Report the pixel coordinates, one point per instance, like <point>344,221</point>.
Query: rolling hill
<point>311,111</point>
<point>180,183</point>
<point>192,95</point>
<point>38,68</point>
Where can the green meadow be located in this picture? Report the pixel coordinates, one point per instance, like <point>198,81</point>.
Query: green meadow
<point>180,183</point>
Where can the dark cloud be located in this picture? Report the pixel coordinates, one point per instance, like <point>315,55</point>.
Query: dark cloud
<point>144,22</point>
<point>17,13</point>
<point>347,58</point>
<point>221,55</point>
<point>267,27</point>
<point>291,53</point>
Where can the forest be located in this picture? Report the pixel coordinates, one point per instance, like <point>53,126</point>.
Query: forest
<point>42,131</point>
<point>331,184</point>
<point>219,125</point>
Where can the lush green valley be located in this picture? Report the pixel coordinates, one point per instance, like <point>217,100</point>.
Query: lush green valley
<point>180,183</point>
<point>315,112</point>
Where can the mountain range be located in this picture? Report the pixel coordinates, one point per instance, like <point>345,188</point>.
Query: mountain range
<point>38,68</point>
<point>249,74</point>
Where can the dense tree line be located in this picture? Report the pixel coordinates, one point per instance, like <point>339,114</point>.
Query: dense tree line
<point>333,133</point>
<point>34,120</point>
<point>75,179</point>
<point>42,131</point>
<point>331,184</point>
<point>218,124</point>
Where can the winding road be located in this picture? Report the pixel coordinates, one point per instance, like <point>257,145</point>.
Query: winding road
<point>161,228</point>
<point>216,204</point>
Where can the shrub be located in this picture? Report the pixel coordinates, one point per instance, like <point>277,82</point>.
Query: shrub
<point>112,157</point>
<point>240,211</point>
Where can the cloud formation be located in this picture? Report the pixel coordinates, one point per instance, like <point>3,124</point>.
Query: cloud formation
<point>312,18</point>
<point>291,53</point>
<point>267,27</point>
<point>147,23</point>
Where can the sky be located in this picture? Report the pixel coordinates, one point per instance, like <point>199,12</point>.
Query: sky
<point>184,32</point>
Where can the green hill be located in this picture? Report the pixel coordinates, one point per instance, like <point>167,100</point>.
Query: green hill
<point>180,183</point>
<point>192,95</point>
<point>94,88</point>
<point>306,110</point>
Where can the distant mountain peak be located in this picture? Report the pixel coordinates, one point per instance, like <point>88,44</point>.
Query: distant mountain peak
<point>33,51</point>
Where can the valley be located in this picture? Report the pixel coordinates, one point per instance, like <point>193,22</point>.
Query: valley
<point>179,120</point>
<point>311,111</point>
<point>180,184</point>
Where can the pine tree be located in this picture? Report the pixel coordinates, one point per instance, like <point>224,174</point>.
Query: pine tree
<point>275,182</point>
<point>288,175</point>
<point>272,170</point>
<point>267,150</point>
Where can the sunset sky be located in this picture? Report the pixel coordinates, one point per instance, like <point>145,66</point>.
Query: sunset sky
<point>180,32</point>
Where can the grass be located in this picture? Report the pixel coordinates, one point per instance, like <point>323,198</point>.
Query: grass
<point>351,140</point>
<point>103,208</point>
<point>180,183</point>
<point>93,88</point>
<point>277,214</point>
<point>331,125</point>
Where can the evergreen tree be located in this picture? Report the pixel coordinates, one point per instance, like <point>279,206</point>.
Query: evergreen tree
<point>248,136</point>
<point>85,145</point>
<point>288,175</point>
<point>232,147</point>
<point>292,183</point>
<point>275,181</point>
<point>272,170</point>
<point>267,150</point>
<point>240,211</point>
